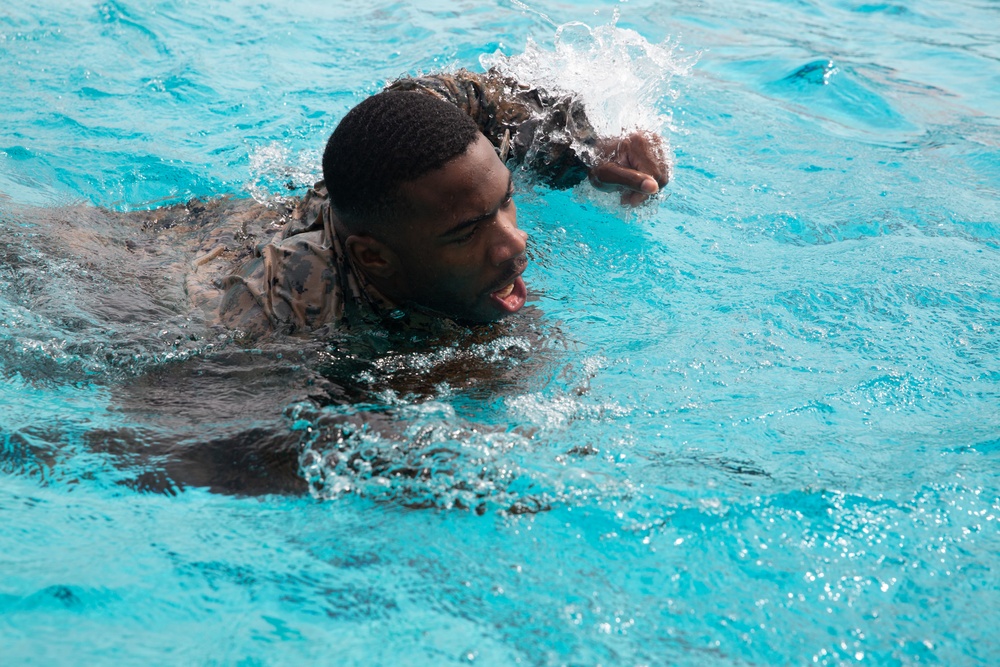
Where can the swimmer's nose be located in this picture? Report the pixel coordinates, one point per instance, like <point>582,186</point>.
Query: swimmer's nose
<point>510,242</point>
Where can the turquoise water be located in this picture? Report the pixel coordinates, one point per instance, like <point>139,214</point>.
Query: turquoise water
<point>753,423</point>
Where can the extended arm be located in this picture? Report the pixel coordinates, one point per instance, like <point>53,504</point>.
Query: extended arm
<point>550,133</point>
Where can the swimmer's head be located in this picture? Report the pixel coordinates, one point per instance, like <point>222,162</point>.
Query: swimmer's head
<point>424,207</point>
<point>389,139</point>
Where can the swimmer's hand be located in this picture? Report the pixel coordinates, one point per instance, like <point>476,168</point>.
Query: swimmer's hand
<point>634,165</point>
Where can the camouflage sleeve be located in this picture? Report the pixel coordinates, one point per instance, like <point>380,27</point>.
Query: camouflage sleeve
<point>292,283</point>
<point>291,287</point>
<point>241,307</point>
<point>549,133</point>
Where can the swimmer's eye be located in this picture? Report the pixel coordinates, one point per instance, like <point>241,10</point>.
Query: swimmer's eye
<point>465,238</point>
<point>509,198</point>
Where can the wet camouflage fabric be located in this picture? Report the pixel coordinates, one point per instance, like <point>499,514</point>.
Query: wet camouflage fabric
<point>302,279</point>
<point>543,131</point>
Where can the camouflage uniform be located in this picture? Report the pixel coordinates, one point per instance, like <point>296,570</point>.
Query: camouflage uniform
<point>303,279</point>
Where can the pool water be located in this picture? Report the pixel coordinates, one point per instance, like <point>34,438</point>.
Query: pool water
<point>755,422</point>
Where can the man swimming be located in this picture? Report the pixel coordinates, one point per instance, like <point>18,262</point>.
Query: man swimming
<point>417,219</point>
<point>419,228</point>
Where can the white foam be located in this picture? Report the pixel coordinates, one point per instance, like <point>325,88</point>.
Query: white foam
<point>272,167</point>
<point>624,80</point>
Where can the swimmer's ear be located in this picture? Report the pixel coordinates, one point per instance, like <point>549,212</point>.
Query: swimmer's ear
<point>372,256</point>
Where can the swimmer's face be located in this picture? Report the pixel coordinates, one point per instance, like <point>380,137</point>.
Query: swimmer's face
<point>458,251</point>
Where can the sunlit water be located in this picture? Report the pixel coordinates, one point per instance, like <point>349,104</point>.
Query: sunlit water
<point>755,422</point>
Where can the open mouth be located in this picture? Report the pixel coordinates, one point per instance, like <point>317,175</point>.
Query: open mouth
<point>512,296</point>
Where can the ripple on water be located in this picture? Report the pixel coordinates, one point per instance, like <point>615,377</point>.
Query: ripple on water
<point>836,92</point>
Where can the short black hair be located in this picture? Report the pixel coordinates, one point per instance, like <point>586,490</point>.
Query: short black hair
<point>386,140</point>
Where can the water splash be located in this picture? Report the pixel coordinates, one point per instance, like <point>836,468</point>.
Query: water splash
<point>272,170</point>
<point>624,80</point>
<point>421,455</point>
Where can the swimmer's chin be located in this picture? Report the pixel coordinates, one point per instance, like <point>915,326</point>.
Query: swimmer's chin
<point>492,306</point>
